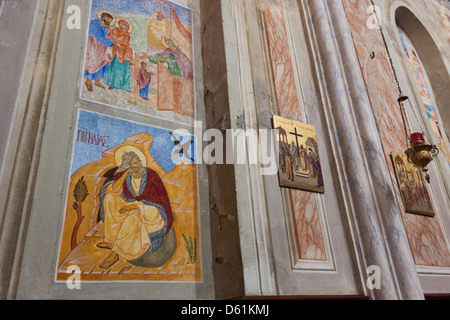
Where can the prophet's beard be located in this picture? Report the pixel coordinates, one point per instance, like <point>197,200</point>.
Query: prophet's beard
<point>140,172</point>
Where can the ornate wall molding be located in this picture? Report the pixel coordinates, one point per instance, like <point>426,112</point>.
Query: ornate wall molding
<point>22,159</point>
<point>368,193</point>
<point>430,44</point>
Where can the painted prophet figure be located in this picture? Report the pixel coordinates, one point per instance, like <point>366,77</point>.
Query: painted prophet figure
<point>135,209</point>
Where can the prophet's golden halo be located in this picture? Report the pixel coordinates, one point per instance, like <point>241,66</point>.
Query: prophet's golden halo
<point>120,152</point>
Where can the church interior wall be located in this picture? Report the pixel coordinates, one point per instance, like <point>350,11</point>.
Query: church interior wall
<point>14,48</point>
<point>383,94</point>
<point>46,217</point>
<point>251,60</point>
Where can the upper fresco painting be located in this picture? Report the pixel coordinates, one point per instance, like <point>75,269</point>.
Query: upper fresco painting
<point>139,57</point>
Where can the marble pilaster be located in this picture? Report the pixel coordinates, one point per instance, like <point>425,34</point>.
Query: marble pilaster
<point>368,194</point>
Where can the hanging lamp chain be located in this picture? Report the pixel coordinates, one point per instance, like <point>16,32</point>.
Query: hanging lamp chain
<point>402,108</point>
<point>387,48</point>
<point>424,154</point>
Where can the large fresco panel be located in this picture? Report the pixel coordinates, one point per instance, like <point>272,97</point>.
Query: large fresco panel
<point>132,204</point>
<point>139,56</point>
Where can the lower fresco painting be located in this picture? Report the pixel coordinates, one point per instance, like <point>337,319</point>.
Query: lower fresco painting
<point>132,204</point>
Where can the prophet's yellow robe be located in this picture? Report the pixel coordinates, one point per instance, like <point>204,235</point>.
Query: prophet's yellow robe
<point>129,232</point>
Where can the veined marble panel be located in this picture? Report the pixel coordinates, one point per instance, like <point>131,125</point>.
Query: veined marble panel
<point>444,16</point>
<point>425,235</point>
<point>308,229</point>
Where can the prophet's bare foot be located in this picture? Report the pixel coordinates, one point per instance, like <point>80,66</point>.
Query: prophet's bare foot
<point>104,245</point>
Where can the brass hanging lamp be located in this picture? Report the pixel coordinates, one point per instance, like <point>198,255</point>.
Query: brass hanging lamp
<point>420,153</point>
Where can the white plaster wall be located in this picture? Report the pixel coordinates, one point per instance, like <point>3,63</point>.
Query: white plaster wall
<point>37,274</point>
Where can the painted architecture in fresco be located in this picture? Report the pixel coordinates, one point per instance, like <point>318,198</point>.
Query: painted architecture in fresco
<point>94,175</point>
<point>132,209</point>
<point>139,57</point>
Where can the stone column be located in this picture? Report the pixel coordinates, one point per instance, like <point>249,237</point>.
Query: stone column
<point>367,190</point>
<point>21,161</point>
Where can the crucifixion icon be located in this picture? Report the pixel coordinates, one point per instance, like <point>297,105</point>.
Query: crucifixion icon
<point>297,135</point>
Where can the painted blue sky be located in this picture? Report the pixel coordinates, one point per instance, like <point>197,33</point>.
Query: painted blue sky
<point>117,131</point>
<point>138,7</point>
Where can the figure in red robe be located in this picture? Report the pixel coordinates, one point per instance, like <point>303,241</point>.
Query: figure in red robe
<point>135,209</point>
